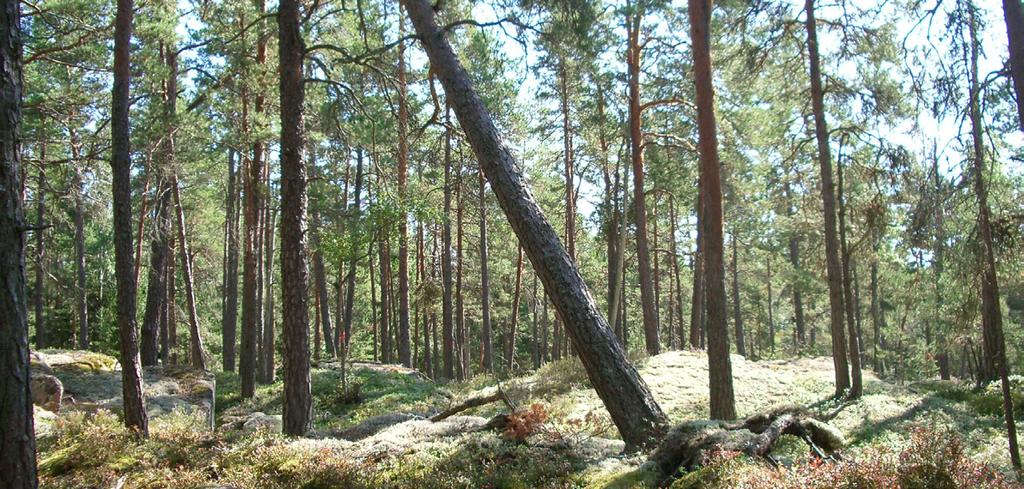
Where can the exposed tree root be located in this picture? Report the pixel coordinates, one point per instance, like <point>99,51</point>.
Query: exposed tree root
<point>691,444</point>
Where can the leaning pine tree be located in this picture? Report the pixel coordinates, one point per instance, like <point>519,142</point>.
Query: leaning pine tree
<point>633,409</point>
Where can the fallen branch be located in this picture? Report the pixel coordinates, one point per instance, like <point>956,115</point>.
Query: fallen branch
<point>691,444</point>
<point>470,403</point>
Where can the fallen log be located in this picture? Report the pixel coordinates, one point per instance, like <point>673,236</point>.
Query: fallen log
<point>691,444</point>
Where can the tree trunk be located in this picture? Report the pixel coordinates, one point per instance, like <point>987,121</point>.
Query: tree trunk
<point>198,353</point>
<point>643,258</point>
<point>794,259</point>
<point>156,292</point>
<point>448,338</point>
<point>135,417</point>
<point>1013,14</point>
<point>771,306</point>
<point>629,402</point>
<point>170,318</point>
<point>678,309</point>
<point>17,438</point>
<point>268,372</point>
<point>697,310</point>
<point>535,346</point>
<point>385,298</point>
<point>39,292</point>
<point>485,284</point>
<point>510,351</point>
<point>230,316</point>
<point>857,384</point>
<point>252,314</point>
<point>373,303</point>
<point>298,400</point>
<point>350,279</point>
<point>403,223</point>
<point>81,285</point>
<point>567,155</point>
<point>991,316</point>
<point>828,197</point>
<point>324,301</point>
<point>737,311</point>
<point>462,350</point>
<point>723,404</point>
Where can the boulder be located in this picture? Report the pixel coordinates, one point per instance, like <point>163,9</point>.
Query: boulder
<point>47,391</point>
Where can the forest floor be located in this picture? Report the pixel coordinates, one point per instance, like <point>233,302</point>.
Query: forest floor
<point>374,432</point>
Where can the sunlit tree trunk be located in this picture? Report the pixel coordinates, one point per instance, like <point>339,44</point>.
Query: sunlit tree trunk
<point>135,417</point>
<point>828,197</point>
<point>298,401</point>
<point>17,438</point>
<point>857,384</point>
<point>629,402</point>
<point>723,404</point>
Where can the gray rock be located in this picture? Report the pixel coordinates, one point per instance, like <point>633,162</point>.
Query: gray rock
<point>47,391</point>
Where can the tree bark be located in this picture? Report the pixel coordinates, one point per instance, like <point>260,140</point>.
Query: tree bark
<point>794,259</point>
<point>81,284</point>
<point>991,316</point>
<point>403,223</point>
<point>828,197</point>
<point>737,311</point>
<point>510,351</point>
<point>643,258</point>
<point>197,352</point>
<point>298,400</point>
<point>1013,14</point>
<point>697,317</point>
<point>485,284</point>
<point>857,382</point>
<point>39,292</point>
<point>723,404</point>
<point>350,278</point>
<point>156,292</point>
<point>630,403</point>
<point>17,438</point>
<point>385,298</point>
<point>448,338</point>
<point>268,372</point>
<point>324,301</point>
<point>678,309</point>
<point>135,417</point>
<point>230,315</point>
<point>252,313</point>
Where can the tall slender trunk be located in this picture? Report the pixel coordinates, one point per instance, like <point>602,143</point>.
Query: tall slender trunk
<point>81,284</point>
<point>39,295</point>
<point>350,278</point>
<point>298,401</point>
<point>636,145</point>
<point>421,254</point>
<point>460,315</point>
<point>197,352</point>
<point>857,384</point>
<point>794,259</point>
<point>171,315</point>
<point>268,372</point>
<point>723,404</point>
<point>135,417</point>
<point>510,348</point>
<point>373,304</point>
<point>403,223</point>
<point>485,284</point>
<point>938,267</point>
<point>535,347</point>
<point>697,310</point>
<point>383,249</point>
<point>828,197</point>
<point>991,317</point>
<point>448,338</point>
<point>567,156</point>
<point>629,402</point>
<point>17,438</point>
<point>678,303</point>
<point>771,305</point>
<point>324,300</point>
<point>230,315</point>
<point>737,311</point>
<point>252,311</point>
<point>156,292</point>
